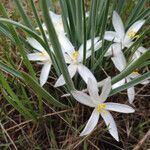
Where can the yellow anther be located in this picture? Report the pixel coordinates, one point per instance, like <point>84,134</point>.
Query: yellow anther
<point>101,107</point>
<point>136,71</point>
<point>75,55</point>
<point>132,34</point>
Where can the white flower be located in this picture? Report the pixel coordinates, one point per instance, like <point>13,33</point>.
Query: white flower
<point>42,57</point>
<point>57,22</point>
<point>100,107</point>
<point>119,36</point>
<point>74,58</point>
<point>120,63</point>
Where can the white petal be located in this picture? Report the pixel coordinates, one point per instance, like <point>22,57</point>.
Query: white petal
<point>93,89</point>
<point>122,108</point>
<point>88,44</point>
<point>145,82</point>
<point>105,90</point>
<point>109,52</point>
<point>131,94</point>
<point>136,55</point>
<point>35,44</point>
<point>55,17</point>
<point>92,122</point>
<point>66,44</point>
<point>85,73</point>
<point>109,120</point>
<point>111,36</point>
<point>97,45</point>
<point>45,73</point>
<point>36,57</point>
<point>142,49</point>
<point>118,25</point>
<point>118,58</point>
<point>61,81</point>
<point>83,98</point>
<point>134,28</point>
<point>119,83</point>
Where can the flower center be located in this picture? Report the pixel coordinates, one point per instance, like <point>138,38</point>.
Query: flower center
<point>101,107</point>
<point>136,71</point>
<point>132,34</point>
<point>75,55</point>
<point>43,53</point>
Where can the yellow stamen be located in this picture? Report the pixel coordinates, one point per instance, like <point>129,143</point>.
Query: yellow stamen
<point>132,34</point>
<point>136,71</point>
<point>101,107</point>
<point>75,55</point>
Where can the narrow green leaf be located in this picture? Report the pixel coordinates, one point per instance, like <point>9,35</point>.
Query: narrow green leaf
<point>23,14</point>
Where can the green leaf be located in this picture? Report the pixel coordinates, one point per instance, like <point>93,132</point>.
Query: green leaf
<point>23,14</point>
<point>10,70</point>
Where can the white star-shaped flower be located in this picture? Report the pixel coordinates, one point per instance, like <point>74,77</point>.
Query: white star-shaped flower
<point>41,56</point>
<point>74,58</point>
<point>119,36</point>
<point>120,63</point>
<point>100,107</point>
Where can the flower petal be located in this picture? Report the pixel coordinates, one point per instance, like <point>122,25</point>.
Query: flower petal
<point>92,122</point>
<point>109,120</point>
<point>66,45</point>
<point>36,57</point>
<point>105,90</point>
<point>45,73</point>
<point>131,94</point>
<point>119,83</point>
<point>97,45</point>
<point>72,70</point>
<point>85,73</point>
<point>83,98</point>
<point>136,55</point>
<point>55,17</point>
<point>122,108</point>
<point>134,28</point>
<point>111,36</point>
<point>93,89</point>
<point>118,25</point>
<point>118,58</point>
<point>142,49</point>
<point>35,44</point>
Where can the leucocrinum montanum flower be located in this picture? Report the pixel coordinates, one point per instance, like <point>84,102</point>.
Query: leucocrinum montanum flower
<point>75,57</point>
<point>100,107</point>
<point>120,37</point>
<point>120,63</point>
<point>41,56</point>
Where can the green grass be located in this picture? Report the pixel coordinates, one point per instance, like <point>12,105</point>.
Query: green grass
<point>34,117</point>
